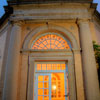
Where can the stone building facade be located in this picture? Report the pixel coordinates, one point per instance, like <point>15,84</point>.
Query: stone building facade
<point>46,50</point>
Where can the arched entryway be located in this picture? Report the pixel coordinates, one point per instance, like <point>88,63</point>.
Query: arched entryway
<point>51,77</point>
<point>50,47</point>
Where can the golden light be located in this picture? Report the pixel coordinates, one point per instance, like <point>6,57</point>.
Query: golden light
<point>54,87</point>
<point>50,41</point>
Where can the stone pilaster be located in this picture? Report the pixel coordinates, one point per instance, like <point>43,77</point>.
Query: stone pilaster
<point>88,61</point>
<point>24,75</point>
<point>79,75</point>
<point>12,66</point>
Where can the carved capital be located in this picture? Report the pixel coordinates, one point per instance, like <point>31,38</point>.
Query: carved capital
<point>18,23</point>
<point>76,51</point>
<point>81,21</point>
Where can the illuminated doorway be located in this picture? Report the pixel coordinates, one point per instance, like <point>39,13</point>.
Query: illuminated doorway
<point>51,48</point>
<point>51,81</point>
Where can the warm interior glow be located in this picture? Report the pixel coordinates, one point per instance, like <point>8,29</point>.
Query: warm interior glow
<point>58,86</point>
<point>54,81</point>
<point>54,87</point>
<point>50,41</point>
<point>50,67</point>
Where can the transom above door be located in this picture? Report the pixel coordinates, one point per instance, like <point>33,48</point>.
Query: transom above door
<point>51,81</point>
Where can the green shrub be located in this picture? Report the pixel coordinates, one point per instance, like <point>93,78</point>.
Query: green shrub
<point>97,56</point>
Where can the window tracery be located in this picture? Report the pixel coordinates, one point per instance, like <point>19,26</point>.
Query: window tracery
<point>50,41</point>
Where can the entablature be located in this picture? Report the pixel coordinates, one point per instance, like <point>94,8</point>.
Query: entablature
<point>52,12</point>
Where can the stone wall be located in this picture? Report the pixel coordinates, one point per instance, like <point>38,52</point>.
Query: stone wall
<point>3,36</point>
<point>97,31</point>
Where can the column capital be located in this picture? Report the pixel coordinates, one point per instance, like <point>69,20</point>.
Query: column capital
<point>17,23</point>
<point>80,21</point>
<point>75,51</point>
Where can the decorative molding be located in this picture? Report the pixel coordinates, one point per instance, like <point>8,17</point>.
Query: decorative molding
<point>50,12</point>
<point>79,21</point>
<point>76,51</point>
<point>36,32</point>
<point>18,23</point>
<point>4,28</point>
<point>51,50</point>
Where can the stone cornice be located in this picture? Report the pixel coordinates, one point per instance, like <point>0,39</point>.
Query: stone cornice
<point>52,5</point>
<point>49,21</point>
<point>51,50</point>
<point>47,53</point>
<point>51,12</point>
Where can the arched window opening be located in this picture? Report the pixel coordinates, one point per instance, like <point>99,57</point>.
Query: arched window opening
<point>51,41</point>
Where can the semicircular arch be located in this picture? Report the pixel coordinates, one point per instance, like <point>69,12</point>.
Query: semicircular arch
<point>49,28</point>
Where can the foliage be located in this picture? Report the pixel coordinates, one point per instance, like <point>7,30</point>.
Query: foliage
<point>97,52</point>
<point>97,56</point>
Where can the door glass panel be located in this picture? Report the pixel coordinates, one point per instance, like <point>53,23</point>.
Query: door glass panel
<point>46,78</point>
<point>43,87</point>
<point>58,86</point>
<point>63,66</point>
<point>40,84</point>
<point>46,92</point>
<point>46,84</point>
<point>58,66</point>
<point>50,67</point>
<point>52,85</point>
<point>46,98</point>
<point>43,66</point>
<point>38,66</point>
<point>54,67</point>
<point>40,97</point>
<point>40,91</point>
<point>40,78</point>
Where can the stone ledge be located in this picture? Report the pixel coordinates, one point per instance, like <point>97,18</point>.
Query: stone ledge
<point>50,13</point>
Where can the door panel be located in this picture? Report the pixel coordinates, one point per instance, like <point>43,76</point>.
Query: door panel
<point>51,81</point>
<point>43,87</point>
<point>57,86</point>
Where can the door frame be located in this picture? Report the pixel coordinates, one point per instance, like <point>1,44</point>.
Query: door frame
<point>51,56</point>
<point>49,73</point>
